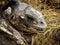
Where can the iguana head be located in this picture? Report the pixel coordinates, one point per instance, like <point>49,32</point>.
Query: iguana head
<point>28,16</point>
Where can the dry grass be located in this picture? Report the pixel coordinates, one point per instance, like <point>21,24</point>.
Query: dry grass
<point>52,17</point>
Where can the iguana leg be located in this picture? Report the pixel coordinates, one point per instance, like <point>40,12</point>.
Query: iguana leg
<point>17,35</point>
<point>5,30</point>
<point>3,27</point>
<point>14,34</point>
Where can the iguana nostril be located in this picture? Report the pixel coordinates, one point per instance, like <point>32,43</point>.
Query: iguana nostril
<point>41,22</point>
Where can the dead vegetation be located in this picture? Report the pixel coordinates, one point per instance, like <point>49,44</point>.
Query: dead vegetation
<point>52,17</point>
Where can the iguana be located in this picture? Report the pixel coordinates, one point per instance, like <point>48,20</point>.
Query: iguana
<point>21,14</point>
